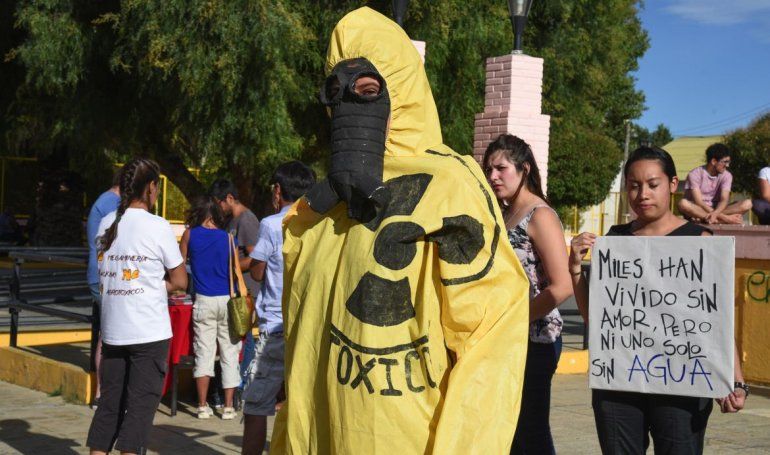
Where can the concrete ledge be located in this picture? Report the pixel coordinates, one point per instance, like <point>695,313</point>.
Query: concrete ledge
<point>573,362</point>
<point>751,242</point>
<point>32,371</point>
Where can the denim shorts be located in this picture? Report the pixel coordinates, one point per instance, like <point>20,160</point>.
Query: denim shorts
<point>265,376</point>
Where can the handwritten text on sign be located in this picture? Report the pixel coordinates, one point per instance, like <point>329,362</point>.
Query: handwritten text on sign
<point>661,315</point>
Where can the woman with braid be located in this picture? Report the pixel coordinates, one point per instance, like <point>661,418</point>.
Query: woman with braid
<point>139,264</point>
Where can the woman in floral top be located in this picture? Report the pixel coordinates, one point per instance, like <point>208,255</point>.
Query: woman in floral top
<point>536,235</point>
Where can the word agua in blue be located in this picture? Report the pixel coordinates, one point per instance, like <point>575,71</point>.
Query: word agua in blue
<point>658,368</point>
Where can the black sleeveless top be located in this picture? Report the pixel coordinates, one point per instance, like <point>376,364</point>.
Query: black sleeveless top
<point>688,228</point>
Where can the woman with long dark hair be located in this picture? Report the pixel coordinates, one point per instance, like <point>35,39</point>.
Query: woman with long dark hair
<point>624,420</point>
<point>536,235</point>
<point>208,247</point>
<point>139,264</point>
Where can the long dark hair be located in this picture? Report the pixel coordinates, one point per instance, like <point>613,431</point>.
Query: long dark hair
<point>135,179</point>
<point>517,152</point>
<point>202,208</point>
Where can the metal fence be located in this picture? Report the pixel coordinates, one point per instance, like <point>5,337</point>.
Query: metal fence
<point>599,218</point>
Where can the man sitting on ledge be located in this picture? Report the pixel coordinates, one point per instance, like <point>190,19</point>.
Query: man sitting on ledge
<point>707,191</point>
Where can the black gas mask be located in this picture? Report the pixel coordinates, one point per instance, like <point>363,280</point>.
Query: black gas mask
<point>359,128</point>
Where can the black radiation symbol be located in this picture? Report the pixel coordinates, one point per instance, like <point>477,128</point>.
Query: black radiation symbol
<point>382,302</point>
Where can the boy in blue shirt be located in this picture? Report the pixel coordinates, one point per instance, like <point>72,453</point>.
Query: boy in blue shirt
<point>106,203</point>
<point>265,374</point>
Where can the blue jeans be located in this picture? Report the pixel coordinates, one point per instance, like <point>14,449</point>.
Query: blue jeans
<point>248,355</point>
<point>533,432</point>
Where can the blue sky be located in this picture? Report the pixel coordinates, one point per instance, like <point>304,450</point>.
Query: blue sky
<point>707,70</point>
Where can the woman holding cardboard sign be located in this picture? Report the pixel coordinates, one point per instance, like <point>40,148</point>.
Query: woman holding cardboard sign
<point>536,235</point>
<point>624,420</point>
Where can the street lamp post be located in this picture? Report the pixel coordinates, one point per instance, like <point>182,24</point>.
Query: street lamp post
<point>519,10</point>
<point>399,11</point>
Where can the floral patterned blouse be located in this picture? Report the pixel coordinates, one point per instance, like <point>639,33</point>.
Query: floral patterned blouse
<point>547,329</point>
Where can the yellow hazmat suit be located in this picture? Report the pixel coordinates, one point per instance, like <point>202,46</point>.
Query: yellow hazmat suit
<point>407,333</point>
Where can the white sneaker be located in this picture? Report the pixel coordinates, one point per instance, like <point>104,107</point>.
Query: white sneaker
<point>204,412</point>
<point>228,413</point>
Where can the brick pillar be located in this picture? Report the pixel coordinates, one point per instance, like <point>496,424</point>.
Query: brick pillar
<point>420,45</point>
<point>512,104</point>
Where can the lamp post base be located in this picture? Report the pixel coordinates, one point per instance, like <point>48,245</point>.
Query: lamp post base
<point>513,104</point>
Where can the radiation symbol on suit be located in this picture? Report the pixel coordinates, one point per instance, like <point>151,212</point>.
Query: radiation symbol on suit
<point>382,302</point>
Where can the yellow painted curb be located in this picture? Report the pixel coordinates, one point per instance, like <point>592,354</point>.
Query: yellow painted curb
<point>32,371</point>
<point>573,362</point>
<point>42,338</point>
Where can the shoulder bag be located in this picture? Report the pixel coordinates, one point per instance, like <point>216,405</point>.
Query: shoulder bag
<point>240,307</point>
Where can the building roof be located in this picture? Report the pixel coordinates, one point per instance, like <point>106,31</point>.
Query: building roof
<point>689,152</point>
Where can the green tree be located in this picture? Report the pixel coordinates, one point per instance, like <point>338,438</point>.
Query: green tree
<point>230,87</point>
<point>750,148</point>
<point>191,83</point>
<point>642,136</point>
<point>590,50</point>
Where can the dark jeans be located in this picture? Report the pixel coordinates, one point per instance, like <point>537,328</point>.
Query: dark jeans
<point>761,208</point>
<point>533,432</point>
<point>132,380</point>
<point>624,421</point>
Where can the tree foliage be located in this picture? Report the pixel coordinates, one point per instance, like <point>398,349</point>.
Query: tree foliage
<point>229,87</point>
<point>659,137</point>
<point>750,148</point>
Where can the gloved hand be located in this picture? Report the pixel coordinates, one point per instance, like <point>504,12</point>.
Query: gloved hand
<point>359,118</point>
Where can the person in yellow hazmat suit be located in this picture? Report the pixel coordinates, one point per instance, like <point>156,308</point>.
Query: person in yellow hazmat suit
<point>405,310</point>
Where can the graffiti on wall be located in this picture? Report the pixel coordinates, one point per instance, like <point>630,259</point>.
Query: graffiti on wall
<point>758,286</point>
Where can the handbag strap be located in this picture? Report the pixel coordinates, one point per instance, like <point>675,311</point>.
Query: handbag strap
<point>230,260</point>
<point>237,267</point>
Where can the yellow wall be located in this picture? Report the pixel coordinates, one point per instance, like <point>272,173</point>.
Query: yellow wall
<point>35,372</point>
<point>752,318</point>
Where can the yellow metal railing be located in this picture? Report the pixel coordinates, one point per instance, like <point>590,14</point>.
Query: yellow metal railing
<point>598,220</point>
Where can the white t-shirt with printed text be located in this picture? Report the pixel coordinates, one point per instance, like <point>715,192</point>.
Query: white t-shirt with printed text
<point>131,272</point>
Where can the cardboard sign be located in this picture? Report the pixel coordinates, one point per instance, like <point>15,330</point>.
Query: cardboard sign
<point>661,315</point>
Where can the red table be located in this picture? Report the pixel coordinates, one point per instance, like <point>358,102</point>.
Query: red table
<point>181,341</point>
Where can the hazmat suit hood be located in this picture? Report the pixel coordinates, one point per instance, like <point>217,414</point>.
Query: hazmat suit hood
<point>414,122</point>
<point>407,330</point>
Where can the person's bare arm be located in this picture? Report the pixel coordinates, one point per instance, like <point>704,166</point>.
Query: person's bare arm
<point>257,269</point>
<point>579,248</point>
<point>184,243</point>
<point>735,401</point>
<point>697,198</point>
<point>548,238</point>
<point>245,262</point>
<point>724,200</point>
<point>176,279</point>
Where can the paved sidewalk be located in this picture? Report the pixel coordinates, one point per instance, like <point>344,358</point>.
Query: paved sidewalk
<point>33,423</point>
